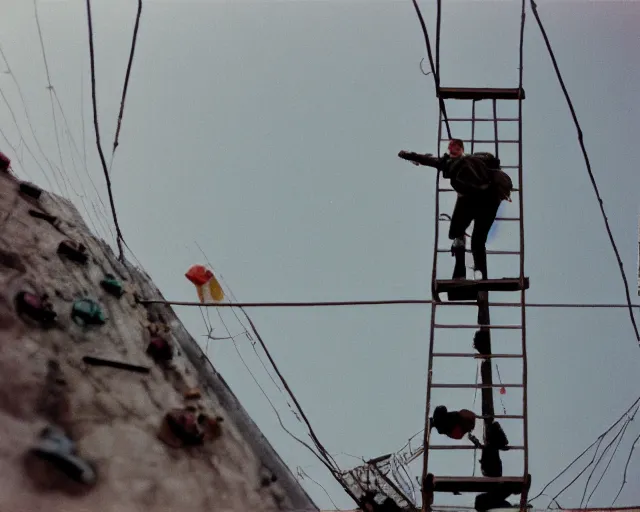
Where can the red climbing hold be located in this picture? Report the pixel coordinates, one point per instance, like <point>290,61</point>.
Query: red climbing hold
<point>187,427</point>
<point>160,350</point>
<point>179,428</point>
<point>503,391</point>
<point>37,308</point>
<point>74,251</point>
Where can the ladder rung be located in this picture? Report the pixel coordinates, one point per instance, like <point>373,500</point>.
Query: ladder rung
<point>515,484</point>
<point>477,356</point>
<point>488,141</point>
<point>475,326</point>
<point>506,284</point>
<point>503,417</point>
<point>475,386</point>
<point>483,119</point>
<point>480,93</point>
<point>508,219</point>
<point>488,252</point>
<point>446,219</point>
<point>465,447</point>
<point>451,190</point>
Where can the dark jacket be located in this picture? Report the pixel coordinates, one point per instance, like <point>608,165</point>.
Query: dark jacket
<point>468,174</point>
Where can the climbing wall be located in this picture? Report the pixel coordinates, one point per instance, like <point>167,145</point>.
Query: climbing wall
<point>105,404</point>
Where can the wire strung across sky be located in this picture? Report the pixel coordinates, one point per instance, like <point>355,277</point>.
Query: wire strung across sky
<point>597,442</point>
<point>119,237</point>
<point>373,303</point>
<point>322,454</point>
<point>435,70</point>
<point>134,40</point>
<point>534,8</point>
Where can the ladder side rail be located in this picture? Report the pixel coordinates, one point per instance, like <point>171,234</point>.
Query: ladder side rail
<point>523,308</point>
<point>425,442</point>
<point>495,127</point>
<point>523,304</point>
<point>486,370</point>
<point>484,321</point>
<point>473,124</point>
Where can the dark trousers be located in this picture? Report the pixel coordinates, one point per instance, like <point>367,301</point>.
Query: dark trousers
<point>481,209</point>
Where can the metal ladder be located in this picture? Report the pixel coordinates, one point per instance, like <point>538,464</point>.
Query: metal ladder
<point>476,293</point>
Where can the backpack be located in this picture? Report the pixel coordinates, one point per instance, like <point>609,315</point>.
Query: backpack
<point>491,161</point>
<point>478,172</point>
<point>469,175</point>
<point>500,179</point>
<point>502,183</point>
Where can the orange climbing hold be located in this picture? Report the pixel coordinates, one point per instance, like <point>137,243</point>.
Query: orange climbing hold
<point>204,280</point>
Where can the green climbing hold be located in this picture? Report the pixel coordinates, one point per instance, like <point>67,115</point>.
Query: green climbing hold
<point>87,311</point>
<point>111,285</point>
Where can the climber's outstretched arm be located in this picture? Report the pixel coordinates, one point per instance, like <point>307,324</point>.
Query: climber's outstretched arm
<point>419,159</point>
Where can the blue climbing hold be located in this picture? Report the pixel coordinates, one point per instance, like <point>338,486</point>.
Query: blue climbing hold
<point>55,447</point>
<point>112,286</point>
<point>87,311</point>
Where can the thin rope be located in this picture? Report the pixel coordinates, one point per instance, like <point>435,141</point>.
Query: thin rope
<point>126,81</point>
<point>374,303</point>
<point>434,71</point>
<point>534,8</point>
<point>119,238</point>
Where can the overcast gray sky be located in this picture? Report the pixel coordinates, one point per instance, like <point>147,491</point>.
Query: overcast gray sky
<point>267,132</point>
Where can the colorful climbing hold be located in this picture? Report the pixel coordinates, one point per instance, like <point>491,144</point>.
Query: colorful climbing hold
<point>156,329</point>
<point>160,350</point>
<point>192,394</point>
<point>30,190</point>
<point>503,390</point>
<point>111,285</point>
<point>36,308</point>
<point>55,447</point>
<point>74,251</point>
<point>184,427</point>
<point>204,280</point>
<point>51,219</point>
<point>180,428</point>
<point>87,311</point>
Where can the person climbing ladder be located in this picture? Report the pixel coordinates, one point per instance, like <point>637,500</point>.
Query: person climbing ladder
<point>481,187</point>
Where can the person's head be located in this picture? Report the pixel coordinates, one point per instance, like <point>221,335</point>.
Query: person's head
<point>456,148</point>
<point>439,418</point>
